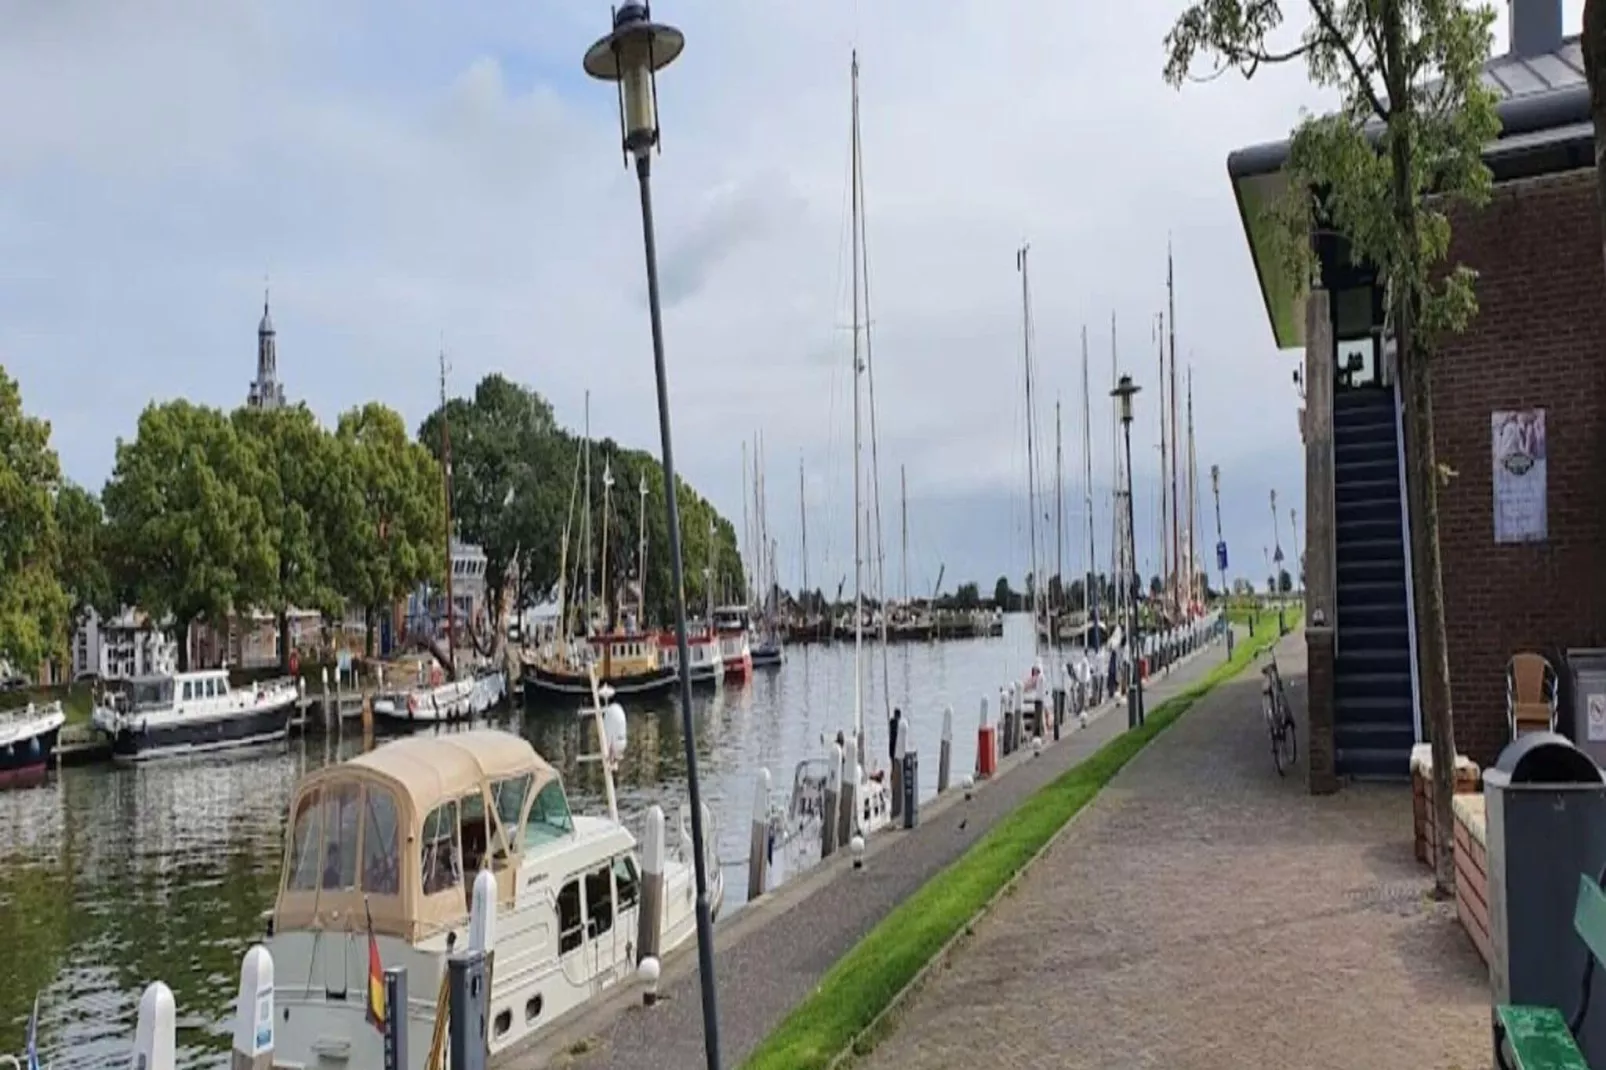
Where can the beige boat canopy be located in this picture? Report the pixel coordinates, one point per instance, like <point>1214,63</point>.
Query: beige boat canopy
<point>391,834</point>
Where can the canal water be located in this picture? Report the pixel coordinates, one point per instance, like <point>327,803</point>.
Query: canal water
<point>111,877</point>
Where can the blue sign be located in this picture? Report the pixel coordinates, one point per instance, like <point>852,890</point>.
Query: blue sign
<point>1221,557</point>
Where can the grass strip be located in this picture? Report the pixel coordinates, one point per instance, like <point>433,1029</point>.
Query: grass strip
<point>866,980</point>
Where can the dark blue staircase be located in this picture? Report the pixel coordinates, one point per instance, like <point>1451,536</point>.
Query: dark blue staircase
<point>1373,723</point>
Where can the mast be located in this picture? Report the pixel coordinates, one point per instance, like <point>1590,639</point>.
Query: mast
<point>1031,443</point>
<point>1164,533</point>
<point>1059,521</point>
<point>713,546</point>
<point>803,525</point>
<point>641,560</point>
<point>586,612</point>
<point>446,479</point>
<point>1090,596</point>
<point>903,483</point>
<point>749,565</point>
<point>1118,543</point>
<point>1176,443</point>
<point>607,589</point>
<point>858,490</point>
<point>1194,595</point>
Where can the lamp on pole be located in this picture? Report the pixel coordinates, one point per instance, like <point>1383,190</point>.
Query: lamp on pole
<point>1221,544</point>
<point>1124,391</point>
<point>630,57</point>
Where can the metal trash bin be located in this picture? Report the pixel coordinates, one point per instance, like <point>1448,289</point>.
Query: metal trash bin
<point>911,789</point>
<point>1586,702</point>
<point>1545,824</point>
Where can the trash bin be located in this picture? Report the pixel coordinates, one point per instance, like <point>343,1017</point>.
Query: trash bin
<point>1586,678</point>
<point>911,789</point>
<point>1546,824</point>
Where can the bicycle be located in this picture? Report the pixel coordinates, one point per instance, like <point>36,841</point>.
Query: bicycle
<point>1279,719</point>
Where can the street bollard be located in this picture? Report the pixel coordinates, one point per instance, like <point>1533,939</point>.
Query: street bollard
<point>758,849</point>
<point>1059,710</point>
<point>253,1013</point>
<point>831,803</point>
<point>909,760</point>
<point>647,973</point>
<point>468,999</point>
<point>396,1018</point>
<point>896,772</point>
<point>945,750</point>
<point>154,1031</point>
<point>650,922</point>
<point>986,745</point>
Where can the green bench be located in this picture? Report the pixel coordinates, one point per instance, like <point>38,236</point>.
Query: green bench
<point>1539,1038</point>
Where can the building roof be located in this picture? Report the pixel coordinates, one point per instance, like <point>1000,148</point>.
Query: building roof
<point>1543,105</point>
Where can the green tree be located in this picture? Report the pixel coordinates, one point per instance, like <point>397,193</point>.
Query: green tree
<point>188,536</point>
<point>1003,597</point>
<point>967,596</point>
<point>394,489</point>
<point>33,606</point>
<point>1405,145</point>
<point>85,554</point>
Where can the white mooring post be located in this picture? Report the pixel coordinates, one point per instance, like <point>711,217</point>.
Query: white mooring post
<point>647,973</point>
<point>482,918</point>
<point>831,803</point>
<point>154,1046</point>
<point>649,930</point>
<point>758,849</point>
<point>253,1013</point>
<point>848,801</point>
<point>945,752</point>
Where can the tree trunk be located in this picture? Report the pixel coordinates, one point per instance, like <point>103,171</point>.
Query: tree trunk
<point>183,632</point>
<point>1594,46</point>
<point>283,623</point>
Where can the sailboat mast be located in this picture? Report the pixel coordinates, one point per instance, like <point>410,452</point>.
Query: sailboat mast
<point>1166,560</point>
<point>1194,594</point>
<point>858,490</point>
<point>641,559</point>
<point>748,564</point>
<point>903,485</point>
<point>1090,594</point>
<point>1031,443</point>
<point>803,527</point>
<point>1059,518</point>
<point>446,481</point>
<point>585,622</point>
<point>1176,443</point>
<point>1118,544</point>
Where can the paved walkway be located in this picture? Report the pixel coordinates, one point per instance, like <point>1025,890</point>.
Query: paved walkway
<point>1204,913</point>
<point>771,955</point>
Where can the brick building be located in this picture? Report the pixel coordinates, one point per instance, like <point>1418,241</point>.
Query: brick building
<point>1536,344</point>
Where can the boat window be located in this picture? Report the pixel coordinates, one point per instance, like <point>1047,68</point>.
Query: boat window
<point>549,817</point>
<point>441,867</point>
<point>476,836</point>
<point>211,689</point>
<point>340,837</point>
<point>189,691</point>
<point>510,794</point>
<point>599,901</point>
<point>571,931</point>
<point>625,882</point>
<point>305,839</point>
<point>381,869</point>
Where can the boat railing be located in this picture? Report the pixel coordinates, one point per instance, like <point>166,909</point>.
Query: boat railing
<point>29,712</point>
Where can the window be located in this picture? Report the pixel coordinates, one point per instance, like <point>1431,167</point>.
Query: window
<point>306,836</point>
<point>549,817</point>
<point>510,795</point>
<point>476,834</point>
<point>599,901</point>
<point>340,837</point>
<point>442,869</point>
<point>624,879</point>
<point>380,857</point>
<point>571,931</point>
<point>189,691</point>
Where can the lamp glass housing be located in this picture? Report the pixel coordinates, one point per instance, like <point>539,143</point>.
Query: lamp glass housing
<point>636,97</point>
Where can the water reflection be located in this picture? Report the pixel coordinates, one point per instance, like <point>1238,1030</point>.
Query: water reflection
<point>111,877</point>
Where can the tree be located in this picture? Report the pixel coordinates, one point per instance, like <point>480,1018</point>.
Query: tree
<point>1003,597</point>
<point>33,606</point>
<point>394,489</point>
<point>1413,119</point>
<point>967,596</point>
<point>1156,586</point>
<point>83,560</point>
<point>188,537</point>
<point>1285,582</point>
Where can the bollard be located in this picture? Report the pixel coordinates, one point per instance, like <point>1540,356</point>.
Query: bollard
<point>154,1047</point>
<point>986,746</point>
<point>253,1013</point>
<point>325,672</point>
<point>340,697</point>
<point>1003,722</point>
<point>945,751</point>
<point>468,998</point>
<point>482,919</point>
<point>831,803</point>
<point>649,927</point>
<point>849,801</point>
<point>896,772</point>
<point>758,850</point>
<point>396,1018</point>
<point>969,784</point>
<point>856,847</point>
<point>1059,710</point>
<point>909,760</point>
<point>647,973</point>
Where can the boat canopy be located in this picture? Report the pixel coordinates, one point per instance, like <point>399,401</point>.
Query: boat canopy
<point>390,835</point>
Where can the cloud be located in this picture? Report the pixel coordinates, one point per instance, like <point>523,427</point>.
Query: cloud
<point>406,172</point>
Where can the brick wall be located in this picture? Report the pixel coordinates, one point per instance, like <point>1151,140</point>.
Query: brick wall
<point>1539,341</point>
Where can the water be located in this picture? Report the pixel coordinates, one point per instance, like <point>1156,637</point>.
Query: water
<point>114,877</point>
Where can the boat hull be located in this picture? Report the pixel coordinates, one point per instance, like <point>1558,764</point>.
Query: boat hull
<point>766,656</point>
<point>543,681</point>
<point>171,737</point>
<point>25,762</point>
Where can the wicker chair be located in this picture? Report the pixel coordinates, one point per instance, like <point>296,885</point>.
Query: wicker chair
<point>1530,694</point>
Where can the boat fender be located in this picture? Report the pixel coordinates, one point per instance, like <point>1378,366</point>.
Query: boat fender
<point>412,705</point>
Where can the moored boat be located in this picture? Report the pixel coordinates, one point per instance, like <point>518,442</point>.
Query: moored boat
<point>702,647</point>
<point>27,742</point>
<point>629,664</point>
<point>192,712</point>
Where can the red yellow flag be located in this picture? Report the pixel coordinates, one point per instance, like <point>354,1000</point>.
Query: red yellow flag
<point>376,977</point>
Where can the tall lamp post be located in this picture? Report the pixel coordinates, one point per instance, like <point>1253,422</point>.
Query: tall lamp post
<point>1221,544</point>
<point>1123,391</point>
<point>630,57</point>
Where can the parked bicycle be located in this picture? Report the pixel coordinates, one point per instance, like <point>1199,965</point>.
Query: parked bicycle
<point>1279,718</point>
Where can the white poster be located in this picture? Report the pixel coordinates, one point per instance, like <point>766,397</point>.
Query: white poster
<point>1595,731</point>
<point>1519,476</point>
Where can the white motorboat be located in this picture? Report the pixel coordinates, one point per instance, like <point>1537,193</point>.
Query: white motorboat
<point>27,742</point>
<point>389,843</point>
<point>192,712</point>
<point>435,699</point>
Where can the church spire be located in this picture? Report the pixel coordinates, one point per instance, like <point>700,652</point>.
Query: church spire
<point>266,391</point>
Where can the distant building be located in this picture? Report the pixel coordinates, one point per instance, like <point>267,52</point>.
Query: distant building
<point>426,607</point>
<point>266,391</point>
<point>122,647</point>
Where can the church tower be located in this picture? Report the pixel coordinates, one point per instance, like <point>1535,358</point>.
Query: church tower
<point>266,391</point>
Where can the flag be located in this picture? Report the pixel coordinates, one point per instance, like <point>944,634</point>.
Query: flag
<point>30,1053</point>
<point>376,977</point>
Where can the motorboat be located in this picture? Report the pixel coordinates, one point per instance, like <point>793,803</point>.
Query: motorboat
<point>435,699</point>
<point>703,650</point>
<point>27,742</point>
<point>386,847</point>
<point>192,712</point>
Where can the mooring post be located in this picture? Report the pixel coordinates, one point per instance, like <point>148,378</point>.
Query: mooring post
<point>848,801</point>
<point>482,919</point>
<point>908,765</point>
<point>253,1013</point>
<point>468,999</point>
<point>896,773</point>
<point>396,1018</point>
<point>649,927</point>
<point>325,672</point>
<point>945,751</point>
<point>986,745</point>
<point>155,1029</point>
<point>1003,722</point>
<point>647,973</point>
<point>831,802</point>
<point>758,848</point>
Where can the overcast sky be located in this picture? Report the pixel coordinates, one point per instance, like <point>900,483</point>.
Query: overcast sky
<point>406,171</point>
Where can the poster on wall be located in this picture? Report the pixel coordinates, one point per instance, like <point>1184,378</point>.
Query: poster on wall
<point>1519,476</point>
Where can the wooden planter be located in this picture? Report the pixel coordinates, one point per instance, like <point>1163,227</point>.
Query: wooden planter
<point>1472,871</point>
<point>1466,782</point>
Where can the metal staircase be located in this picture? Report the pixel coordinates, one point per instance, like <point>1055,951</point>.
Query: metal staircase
<point>1374,724</point>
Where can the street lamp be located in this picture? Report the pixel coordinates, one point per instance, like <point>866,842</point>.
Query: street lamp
<point>630,57</point>
<point>1134,699</point>
<point>1221,544</point>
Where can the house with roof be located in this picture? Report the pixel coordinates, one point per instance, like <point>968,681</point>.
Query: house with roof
<point>1519,409</point>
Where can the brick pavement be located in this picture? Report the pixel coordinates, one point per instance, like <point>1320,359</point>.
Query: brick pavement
<point>1203,913</point>
<point>771,954</point>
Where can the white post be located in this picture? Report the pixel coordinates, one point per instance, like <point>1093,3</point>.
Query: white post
<point>482,914</point>
<point>832,802</point>
<point>154,1047</point>
<point>758,851</point>
<point>649,927</point>
<point>848,801</point>
<point>253,1013</point>
<point>945,752</point>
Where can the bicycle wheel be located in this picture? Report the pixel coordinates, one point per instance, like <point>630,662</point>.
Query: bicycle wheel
<point>1289,744</point>
<point>1277,748</point>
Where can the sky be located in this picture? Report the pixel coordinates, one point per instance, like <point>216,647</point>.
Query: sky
<point>411,176</point>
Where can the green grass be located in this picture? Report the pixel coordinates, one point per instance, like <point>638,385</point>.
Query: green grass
<point>866,980</point>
